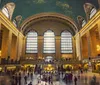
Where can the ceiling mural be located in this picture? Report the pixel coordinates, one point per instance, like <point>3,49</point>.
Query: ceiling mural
<point>66,8</point>
<point>71,8</point>
<point>39,1</point>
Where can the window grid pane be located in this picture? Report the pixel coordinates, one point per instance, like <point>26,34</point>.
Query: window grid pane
<point>83,23</point>
<point>66,42</point>
<point>92,13</point>
<point>49,42</point>
<point>31,42</point>
<point>5,12</point>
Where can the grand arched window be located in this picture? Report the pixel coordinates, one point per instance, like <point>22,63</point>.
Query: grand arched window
<point>5,12</point>
<point>31,42</point>
<point>93,11</point>
<point>66,42</point>
<point>49,42</point>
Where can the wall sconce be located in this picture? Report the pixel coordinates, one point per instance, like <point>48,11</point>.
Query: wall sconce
<point>0,52</point>
<point>98,47</point>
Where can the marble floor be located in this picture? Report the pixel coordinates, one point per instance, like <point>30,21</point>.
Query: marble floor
<point>84,80</point>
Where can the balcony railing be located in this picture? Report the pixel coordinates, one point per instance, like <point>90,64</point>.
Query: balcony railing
<point>57,61</point>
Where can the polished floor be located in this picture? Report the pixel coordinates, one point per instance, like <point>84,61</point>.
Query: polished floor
<point>84,80</point>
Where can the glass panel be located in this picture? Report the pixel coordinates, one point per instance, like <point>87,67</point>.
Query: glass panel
<point>93,11</point>
<point>66,42</point>
<point>49,42</point>
<point>31,42</point>
<point>5,12</point>
<point>14,22</point>
<point>83,23</point>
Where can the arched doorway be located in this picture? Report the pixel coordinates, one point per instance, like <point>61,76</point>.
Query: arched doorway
<point>49,59</point>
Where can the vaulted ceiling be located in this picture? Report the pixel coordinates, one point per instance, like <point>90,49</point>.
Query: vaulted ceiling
<point>71,8</point>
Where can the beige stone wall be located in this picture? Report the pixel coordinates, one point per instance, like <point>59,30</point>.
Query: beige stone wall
<point>14,42</point>
<point>43,26</point>
<point>84,47</point>
<point>66,55</point>
<point>40,28</point>
<point>20,41</point>
<point>78,46</point>
<point>13,50</point>
<point>88,38</point>
<point>12,39</point>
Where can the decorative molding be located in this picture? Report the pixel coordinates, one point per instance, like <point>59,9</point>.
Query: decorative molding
<point>49,16</point>
<point>31,26</point>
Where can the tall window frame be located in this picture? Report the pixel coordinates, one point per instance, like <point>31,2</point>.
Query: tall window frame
<point>49,42</point>
<point>32,42</point>
<point>66,42</point>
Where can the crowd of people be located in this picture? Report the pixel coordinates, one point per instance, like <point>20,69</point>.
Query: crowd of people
<point>16,76</point>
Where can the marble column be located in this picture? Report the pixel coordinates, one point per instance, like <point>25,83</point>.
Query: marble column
<point>78,46</point>
<point>6,43</point>
<point>58,47</point>
<point>99,3</point>
<point>23,47</point>
<point>98,27</point>
<point>0,41</point>
<point>40,47</point>
<point>74,47</point>
<point>81,48</point>
<point>89,44</point>
<point>20,46</point>
<point>14,48</point>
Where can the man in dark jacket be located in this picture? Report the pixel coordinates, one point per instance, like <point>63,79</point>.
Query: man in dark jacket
<point>75,80</point>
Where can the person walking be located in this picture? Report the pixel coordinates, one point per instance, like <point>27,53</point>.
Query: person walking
<point>31,75</point>
<point>75,80</point>
<point>86,79</point>
<point>19,79</point>
<point>94,77</point>
<point>25,78</point>
<point>16,79</point>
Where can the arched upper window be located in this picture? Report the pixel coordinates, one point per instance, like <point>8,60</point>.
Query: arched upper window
<point>49,42</point>
<point>83,22</point>
<point>5,12</point>
<point>49,59</point>
<point>66,42</point>
<point>14,22</point>
<point>93,11</point>
<point>31,42</point>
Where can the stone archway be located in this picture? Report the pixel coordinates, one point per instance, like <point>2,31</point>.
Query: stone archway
<point>51,17</point>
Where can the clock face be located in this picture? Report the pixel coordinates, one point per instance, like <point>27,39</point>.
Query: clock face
<point>49,59</point>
